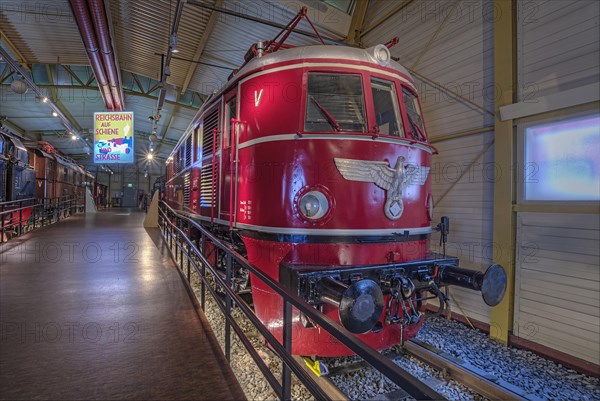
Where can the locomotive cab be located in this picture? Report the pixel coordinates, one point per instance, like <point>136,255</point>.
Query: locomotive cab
<point>317,158</point>
<point>20,176</point>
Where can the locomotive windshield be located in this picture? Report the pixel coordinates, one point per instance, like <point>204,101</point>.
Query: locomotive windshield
<point>387,112</point>
<point>335,102</point>
<point>413,114</point>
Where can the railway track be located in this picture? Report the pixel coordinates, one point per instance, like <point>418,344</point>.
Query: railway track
<point>477,380</point>
<point>481,382</point>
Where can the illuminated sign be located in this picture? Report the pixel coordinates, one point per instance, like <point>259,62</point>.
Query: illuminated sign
<point>113,137</point>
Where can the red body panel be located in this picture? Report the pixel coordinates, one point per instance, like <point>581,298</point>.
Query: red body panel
<point>312,341</point>
<point>273,162</point>
<point>272,174</point>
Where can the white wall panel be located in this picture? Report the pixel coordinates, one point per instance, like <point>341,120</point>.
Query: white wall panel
<point>460,58</point>
<point>558,282</point>
<point>462,180</point>
<point>559,46</point>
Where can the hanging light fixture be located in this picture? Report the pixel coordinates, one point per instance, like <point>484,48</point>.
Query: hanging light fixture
<point>174,43</point>
<point>19,86</point>
<point>54,114</point>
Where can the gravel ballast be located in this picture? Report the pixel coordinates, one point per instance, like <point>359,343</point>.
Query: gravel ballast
<point>541,377</point>
<point>544,379</point>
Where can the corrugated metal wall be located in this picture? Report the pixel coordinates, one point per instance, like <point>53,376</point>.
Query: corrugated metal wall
<point>459,56</point>
<point>557,290</point>
<point>462,182</point>
<point>557,296</point>
<point>558,46</point>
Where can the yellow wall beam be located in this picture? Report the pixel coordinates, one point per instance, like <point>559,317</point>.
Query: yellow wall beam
<point>501,316</point>
<point>357,23</point>
<point>555,208</point>
<point>462,134</point>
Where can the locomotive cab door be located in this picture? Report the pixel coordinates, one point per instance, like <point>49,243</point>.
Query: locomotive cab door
<point>228,165</point>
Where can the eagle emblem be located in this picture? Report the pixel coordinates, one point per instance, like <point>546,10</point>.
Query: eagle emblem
<point>391,180</point>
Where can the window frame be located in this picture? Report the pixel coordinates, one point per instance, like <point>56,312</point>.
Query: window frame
<point>399,104</point>
<point>227,125</point>
<point>520,171</point>
<point>405,113</point>
<point>365,100</point>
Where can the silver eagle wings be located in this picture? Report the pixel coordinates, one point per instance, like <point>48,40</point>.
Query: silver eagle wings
<point>391,180</point>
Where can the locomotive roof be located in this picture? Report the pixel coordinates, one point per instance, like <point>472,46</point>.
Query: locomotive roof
<point>344,53</point>
<point>315,52</point>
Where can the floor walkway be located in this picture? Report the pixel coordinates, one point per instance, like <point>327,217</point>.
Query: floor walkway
<point>92,308</point>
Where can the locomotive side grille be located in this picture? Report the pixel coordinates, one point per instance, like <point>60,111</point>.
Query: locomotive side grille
<point>186,190</point>
<point>211,123</point>
<point>188,151</point>
<point>206,185</point>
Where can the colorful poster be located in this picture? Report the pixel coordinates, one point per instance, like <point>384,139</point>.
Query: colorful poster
<point>113,137</point>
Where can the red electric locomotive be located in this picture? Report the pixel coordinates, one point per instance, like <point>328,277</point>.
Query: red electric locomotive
<point>315,161</point>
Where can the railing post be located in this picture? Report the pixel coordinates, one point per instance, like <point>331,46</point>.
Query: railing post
<point>228,275</point>
<point>286,376</point>
<point>2,215</point>
<point>20,218</point>
<point>188,269</point>
<point>202,288</point>
<point>180,242</point>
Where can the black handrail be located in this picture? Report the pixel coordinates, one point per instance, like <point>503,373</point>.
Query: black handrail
<point>393,372</point>
<point>43,210</point>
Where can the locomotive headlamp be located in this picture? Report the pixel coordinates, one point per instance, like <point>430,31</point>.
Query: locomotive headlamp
<point>430,207</point>
<point>382,54</point>
<point>314,205</point>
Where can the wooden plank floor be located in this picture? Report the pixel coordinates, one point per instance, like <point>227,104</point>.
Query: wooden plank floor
<point>92,308</point>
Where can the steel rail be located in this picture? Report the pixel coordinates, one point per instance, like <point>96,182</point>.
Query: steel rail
<point>463,374</point>
<point>395,373</point>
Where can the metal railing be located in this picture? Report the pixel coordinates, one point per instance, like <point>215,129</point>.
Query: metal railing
<point>25,215</point>
<point>173,227</point>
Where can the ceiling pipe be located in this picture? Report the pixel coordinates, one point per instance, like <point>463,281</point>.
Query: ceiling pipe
<point>86,30</point>
<point>167,62</point>
<point>99,20</point>
<point>16,66</point>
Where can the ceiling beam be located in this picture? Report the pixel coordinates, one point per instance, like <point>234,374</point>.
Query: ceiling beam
<point>126,91</point>
<point>387,16</point>
<point>58,102</point>
<point>14,127</point>
<point>15,65</point>
<point>201,45</point>
<point>357,23</point>
<point>13,49</point>
<point>72,74</point>
<point>435,35</point>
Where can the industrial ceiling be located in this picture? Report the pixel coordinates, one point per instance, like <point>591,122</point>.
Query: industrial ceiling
<point>175,50</point>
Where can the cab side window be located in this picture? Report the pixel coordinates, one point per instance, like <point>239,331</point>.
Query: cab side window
<point>387,112</point>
